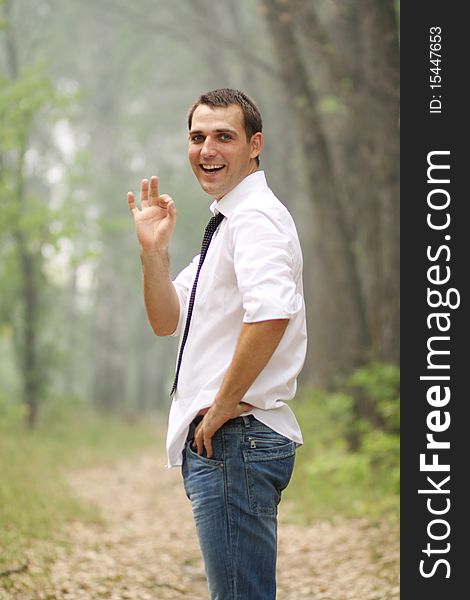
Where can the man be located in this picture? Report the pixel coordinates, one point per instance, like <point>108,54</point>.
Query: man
<point>239,310</point>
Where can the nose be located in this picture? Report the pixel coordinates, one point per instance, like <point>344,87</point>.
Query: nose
<point>208,147</point>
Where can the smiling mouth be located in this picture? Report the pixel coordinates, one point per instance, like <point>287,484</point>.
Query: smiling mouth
<point>211,168</point>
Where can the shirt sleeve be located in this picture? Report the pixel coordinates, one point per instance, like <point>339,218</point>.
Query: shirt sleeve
<point>183,284</point>
<point>264,262</point>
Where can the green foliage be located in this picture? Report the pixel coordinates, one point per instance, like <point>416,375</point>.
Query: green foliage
<point>329,478</point>
<point>381,383</point>
<point>20,102</point>
<point>29,222</point>
<point>24,102</point>
<point>331,105</point>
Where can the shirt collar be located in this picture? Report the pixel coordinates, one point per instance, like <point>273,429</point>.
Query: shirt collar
<point>251,183</point>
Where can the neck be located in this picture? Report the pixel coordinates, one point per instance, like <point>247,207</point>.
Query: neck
<point>252,170</point>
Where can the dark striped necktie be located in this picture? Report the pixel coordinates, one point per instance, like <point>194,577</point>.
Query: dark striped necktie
<point>208,233</point>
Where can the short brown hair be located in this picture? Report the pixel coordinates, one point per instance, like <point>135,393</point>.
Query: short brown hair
<point>252,120</point>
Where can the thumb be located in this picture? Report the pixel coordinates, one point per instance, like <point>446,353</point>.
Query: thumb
<point>243,407</point>
<point>171,210</point>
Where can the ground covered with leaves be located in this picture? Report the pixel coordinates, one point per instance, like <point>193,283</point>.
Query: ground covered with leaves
<point>143,546</point>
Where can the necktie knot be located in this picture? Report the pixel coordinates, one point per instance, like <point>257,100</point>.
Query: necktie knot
<point>212,225</point>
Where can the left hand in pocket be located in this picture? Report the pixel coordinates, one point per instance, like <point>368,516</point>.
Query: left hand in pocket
<point>213,420</point>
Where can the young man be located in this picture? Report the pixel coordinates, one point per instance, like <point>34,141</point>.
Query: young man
<point>239,310</point>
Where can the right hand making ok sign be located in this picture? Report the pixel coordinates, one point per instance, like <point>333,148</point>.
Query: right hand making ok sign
<point>155,220</point>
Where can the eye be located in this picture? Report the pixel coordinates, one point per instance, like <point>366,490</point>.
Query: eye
<point>225,137</point>
<point>197,138</point>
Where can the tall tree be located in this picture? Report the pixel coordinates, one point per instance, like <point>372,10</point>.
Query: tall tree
<point>351,168</point>
<point>26,93</point>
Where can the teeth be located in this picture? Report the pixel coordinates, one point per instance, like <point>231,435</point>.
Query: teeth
<point>211,167</point>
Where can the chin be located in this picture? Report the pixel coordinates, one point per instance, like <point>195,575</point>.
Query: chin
<point>211,190</point>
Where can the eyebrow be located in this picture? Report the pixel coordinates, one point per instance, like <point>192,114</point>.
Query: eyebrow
<point>221,130</point>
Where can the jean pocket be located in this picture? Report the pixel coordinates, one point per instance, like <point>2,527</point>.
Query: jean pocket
<point>268,469</point>
<point>202,476</point>
<point>265,439</point>
<point>191,454</point>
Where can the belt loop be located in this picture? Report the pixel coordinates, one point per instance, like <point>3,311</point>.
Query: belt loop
<point>246,421</point>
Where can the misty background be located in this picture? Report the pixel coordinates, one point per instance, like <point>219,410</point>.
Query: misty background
<point>95,97</point>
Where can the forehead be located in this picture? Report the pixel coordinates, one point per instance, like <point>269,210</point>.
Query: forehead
<point>218,117</point>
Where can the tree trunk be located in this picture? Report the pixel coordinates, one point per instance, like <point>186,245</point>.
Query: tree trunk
<point>27,333</point>
<point>337,316</point>
<point>380,155</point>
<point>28,345</point>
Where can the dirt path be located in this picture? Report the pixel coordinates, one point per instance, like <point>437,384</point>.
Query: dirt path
<point>146,548</point>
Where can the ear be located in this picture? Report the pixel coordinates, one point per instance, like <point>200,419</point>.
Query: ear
<point>256,144</point>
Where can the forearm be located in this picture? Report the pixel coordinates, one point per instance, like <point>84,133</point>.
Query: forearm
<point>256,344</point>
<point>161,299</point>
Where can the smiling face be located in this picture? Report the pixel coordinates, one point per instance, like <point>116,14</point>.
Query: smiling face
<point>220,154</point>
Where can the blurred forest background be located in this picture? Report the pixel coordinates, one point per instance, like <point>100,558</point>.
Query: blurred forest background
<point>93,97</point>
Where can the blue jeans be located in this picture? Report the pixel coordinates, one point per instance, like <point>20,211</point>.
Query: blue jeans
<point>234,497</point>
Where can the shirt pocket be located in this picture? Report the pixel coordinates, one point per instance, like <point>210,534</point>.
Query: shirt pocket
<point>217,285</point>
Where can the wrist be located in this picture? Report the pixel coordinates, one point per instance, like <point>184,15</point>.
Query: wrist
<point>224,403</point>
<point>159,252</point>
<point>154,249</point>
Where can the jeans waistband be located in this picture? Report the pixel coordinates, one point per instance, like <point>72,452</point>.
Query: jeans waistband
<point>246,421</point>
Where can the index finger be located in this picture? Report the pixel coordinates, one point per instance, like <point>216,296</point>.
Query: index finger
<point>153,189</point>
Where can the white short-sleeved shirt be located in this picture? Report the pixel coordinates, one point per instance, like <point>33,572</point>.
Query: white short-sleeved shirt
<point>252,272</point>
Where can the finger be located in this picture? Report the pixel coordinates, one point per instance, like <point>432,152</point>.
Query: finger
<point>242,407</point>
<point>208,445</point>
<point>197,443</point>
<point>200,443</point>
<point>153,189</point>
<point>196,432</point>
<point>144,193</point>
<point>131,203</point>
<point>171,212</point>
<point>164,200</point>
